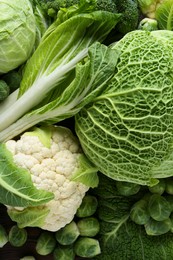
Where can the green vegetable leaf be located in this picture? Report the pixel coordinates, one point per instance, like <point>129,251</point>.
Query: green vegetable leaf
<point>91,75</point>
<point>29,217</point>
<point>16,186</point>
<point>87,173</point>
<point>127,131</point>
<point>119,237</point>
<point>164,15</point>
<point>50,71</point>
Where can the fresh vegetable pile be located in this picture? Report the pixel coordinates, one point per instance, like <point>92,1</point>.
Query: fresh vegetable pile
<point>86,128</point>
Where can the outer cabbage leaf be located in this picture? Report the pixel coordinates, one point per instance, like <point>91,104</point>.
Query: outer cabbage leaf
<point>127,132</point>
<point>17,33</point>
<point>164,15</point>
<point>119,237</point>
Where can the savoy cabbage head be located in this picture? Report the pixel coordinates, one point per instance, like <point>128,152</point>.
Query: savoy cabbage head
<point>128,130</point>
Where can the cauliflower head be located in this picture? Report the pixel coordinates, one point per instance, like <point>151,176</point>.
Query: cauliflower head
<point>149,7</point>
<point>54,158</point>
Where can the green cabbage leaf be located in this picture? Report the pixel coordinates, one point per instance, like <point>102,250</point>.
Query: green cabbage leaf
<point>127,131</point>
<point>164,15</point>
<point>17,33</point>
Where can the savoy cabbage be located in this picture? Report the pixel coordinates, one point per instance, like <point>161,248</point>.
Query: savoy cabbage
<point>127,131</point>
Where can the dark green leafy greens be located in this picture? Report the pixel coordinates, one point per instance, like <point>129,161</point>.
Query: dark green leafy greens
<point>120,238</point>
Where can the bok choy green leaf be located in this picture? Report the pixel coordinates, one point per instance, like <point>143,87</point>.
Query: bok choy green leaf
<point>63,74</point>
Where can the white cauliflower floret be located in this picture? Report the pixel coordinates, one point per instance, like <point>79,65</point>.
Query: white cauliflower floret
<point>149,7</point>
<point>51,169</point>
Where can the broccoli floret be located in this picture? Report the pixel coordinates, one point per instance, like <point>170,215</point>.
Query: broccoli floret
<point>130,15</point>
<point>51,7</point>
<point>4,90</point>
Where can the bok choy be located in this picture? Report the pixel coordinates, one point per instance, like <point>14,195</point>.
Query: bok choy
<point>64,73</point>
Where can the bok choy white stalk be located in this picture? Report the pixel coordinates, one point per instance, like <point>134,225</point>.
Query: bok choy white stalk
<point>64,73</point>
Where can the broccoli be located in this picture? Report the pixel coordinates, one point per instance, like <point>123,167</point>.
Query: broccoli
<point>130,15</point>
<point>51,7</point>
<point>4,90</point>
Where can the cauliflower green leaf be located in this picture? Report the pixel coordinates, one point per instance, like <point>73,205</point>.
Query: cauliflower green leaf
<point>16,186</point>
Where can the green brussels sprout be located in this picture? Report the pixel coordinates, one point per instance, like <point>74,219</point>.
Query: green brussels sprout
<point>171,218</point>
<point>158,207</point>
<point>127,188</point>
<point>88,226</point>
<point>87,247</point>
<point>64,253</point>
<point>4,90</point>
<point>169,198</point>
<point>159,188</point>
<point>88,206</point>
<point>46,243</point>
<point>169,186</point>
<point>3,236</point>
<point>148,24</point>
<point>13,79</point>
<point>156,228</point>
<point>68,234</point>
<point>17,236</point>
<point>139,212</point>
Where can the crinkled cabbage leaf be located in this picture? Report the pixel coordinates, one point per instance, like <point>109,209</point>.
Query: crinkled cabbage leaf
<point>127,131</point>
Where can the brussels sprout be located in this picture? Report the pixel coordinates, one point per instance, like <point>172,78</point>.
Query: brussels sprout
<point>46,243</point>
<point>17,236</point>
<point>64,253</point>
<point>169,198</point>
<point>13,79</point>
<point>68,234</point>
<point>171,218</point>
<point>156,228</point>
<point>159,208</point>
<point>159,188</point>
<point>169,186</point>
<point>3,236</point>
<point>88,206</point>
<point>139,212</point>
<point>87,247</point>
<point>127,188</point>
<point>88,226</point>
<point>148,24</point>
<point>4,90</point>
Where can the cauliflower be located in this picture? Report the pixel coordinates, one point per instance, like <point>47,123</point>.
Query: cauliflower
<point>53,157</point>
<point>149,7</point>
